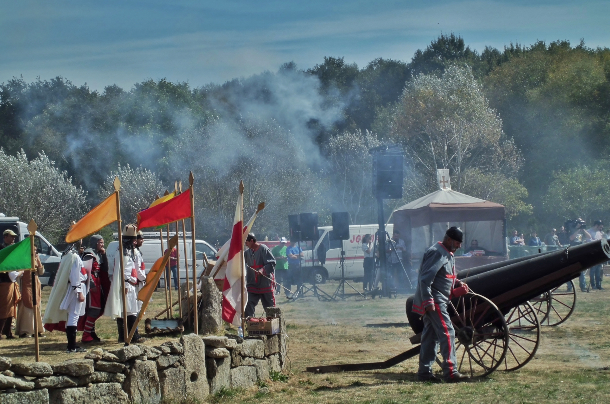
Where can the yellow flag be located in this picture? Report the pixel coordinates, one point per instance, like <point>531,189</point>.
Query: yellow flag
<point>100,216</point>
<point>153,276</point>
<point>163,199</point>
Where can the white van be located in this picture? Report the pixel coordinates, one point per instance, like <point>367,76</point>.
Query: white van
<point>151,252</point>
<point>354,256</point>
<point>49,256</point>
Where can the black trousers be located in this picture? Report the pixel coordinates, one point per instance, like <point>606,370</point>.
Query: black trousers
<point>268,300</point>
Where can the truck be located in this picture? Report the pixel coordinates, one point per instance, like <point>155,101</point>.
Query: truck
<point>49,256</point>
<point>330,268</point>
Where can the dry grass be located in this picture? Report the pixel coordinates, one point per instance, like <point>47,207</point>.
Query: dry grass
<point>571,364</point>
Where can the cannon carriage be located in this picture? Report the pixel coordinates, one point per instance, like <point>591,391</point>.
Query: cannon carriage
<point>496,326</point>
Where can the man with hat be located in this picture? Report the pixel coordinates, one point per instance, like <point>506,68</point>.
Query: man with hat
<point>281,264</point>
<point>98,288</point>
<point>436,285</point>
<point>140,266</point>
<point>595,272</point>
<point>260,280</point>
<point>8,290</point>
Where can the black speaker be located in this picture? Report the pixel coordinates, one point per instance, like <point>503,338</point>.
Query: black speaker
<point>295,229</point>
<point>309,226</point>
<point>387,175</point>
<point>340,226</point>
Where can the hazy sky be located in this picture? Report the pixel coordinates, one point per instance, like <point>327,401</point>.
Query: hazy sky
<point>202,41</point>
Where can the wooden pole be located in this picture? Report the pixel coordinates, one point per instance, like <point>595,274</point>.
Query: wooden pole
<point>32,230</point>
<point>195,320</point>
<point>241,260</point>
<point>169,286</point>
<point>117,187</point>
<point>164,269</point>
<point>179,282</point>
<point>186,266</point>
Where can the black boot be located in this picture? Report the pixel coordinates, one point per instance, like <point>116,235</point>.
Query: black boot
<point>71,335</point>
<point>121,329</point>
<point>131,320</point>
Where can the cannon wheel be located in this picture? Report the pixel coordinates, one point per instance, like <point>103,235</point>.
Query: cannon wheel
<point>481,335</point>
<point>555,306</point>
<point>524,336</point>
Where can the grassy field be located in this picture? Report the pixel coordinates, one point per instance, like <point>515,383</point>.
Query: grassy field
<point>571,365</point>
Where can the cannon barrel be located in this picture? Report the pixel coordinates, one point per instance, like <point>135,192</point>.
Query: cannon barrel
<point>513,284</point>
<point>464,273</point>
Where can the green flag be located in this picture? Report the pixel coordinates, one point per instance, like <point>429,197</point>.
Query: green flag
<point>16,257</point>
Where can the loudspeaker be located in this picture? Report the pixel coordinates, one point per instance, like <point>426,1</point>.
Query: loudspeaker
<point>387,175</point>
<point>309,226</point>
<point>295,229</point>
<point>340,226</point>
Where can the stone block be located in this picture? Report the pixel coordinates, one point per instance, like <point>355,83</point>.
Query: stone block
<point>194,363</point>
<point>19,383</point>
<point>142,383</point>
<point>26,397</point>
<point>38,369</point>
<point>274,312</point>
<point>103,393</point>
<point>210,314</point>
<point>272,344</point>
<point>74,367</point>
<point>215,341</point>
<point>274,363</point>
<point>217,353</point>
<point>238,360</point>
<point>150,352</point>
<point>221,377</point>
<point>5,363</point>
<point>126,353</point>
<point>109,357</point>
<point>262,369</point>
<point>102,377</point>
<point>111,367</point>
<point>55,382</point>
<point>175,348</point>
<point>172,384</point>
<point>95,354</point>
<point>166,361</point>
<point>252,347</point>
<point>165,350</point>
<point>243,377</point>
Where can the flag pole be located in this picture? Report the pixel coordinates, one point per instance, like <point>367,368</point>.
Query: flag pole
<point>178,261</point>
<point>241,260</point>
<point>32,230</point>
<point>117,187</point>
<point>164,269</point>
<point>186,267</point>
<point>191,181</point>
<point>170,313</point>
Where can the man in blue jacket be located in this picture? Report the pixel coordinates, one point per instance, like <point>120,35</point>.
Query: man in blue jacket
<point>436,285</point>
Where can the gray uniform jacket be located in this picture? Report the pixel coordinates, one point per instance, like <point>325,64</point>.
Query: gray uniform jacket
<point>436,280</point>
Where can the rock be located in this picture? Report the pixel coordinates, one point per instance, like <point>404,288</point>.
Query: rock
<point>109,357</point>
<point>274,312</point>
<point>172,383</point>
<point>254,348</point>
<point>102,377</point>
<point>8,373</point>
<point>217,353</point>
<point>103,393</point>
<point>210,315</point>
<point>262,369</point>
<point>175,347</point>
<point>37,369</point>
<point>194,364</point>
<point>221,377</point>
<point>238,360</point>
<point>243,377</point>
<point>5,363</point>
<point>142,383</point>
<point>112,367</point>
<point>26,397</point>
<point>272,344</point>
<point>95,354</point>
<point>74,367</point>
<point>219,342</point>
<point>150,352</point>
<point>165,350</point>
<point>127,352</point>
<point>55,382</point>
<point>164,362</point>
<point>7,382</point>
<point>274,364</point>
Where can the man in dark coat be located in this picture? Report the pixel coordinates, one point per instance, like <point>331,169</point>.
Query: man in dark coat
<point>260,275</point>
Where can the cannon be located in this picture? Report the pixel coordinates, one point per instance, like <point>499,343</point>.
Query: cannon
<point>495,324</point>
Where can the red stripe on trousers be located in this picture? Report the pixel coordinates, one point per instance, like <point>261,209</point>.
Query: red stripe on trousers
<point>440,316</point>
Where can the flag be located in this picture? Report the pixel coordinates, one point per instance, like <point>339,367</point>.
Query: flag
<point>153,276</point>
<point>166,212</point>
<point>163,199</point>
<point>16,257</point>
<point>234,277</point>
<point>100,216</point>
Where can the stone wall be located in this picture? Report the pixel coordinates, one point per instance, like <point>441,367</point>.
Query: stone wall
<point>191,368</point>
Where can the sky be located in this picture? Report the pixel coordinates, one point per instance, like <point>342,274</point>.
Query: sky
<point>101,43</point>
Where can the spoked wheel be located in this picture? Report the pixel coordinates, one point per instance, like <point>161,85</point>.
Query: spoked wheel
<point>481,335</point>
<point>524,336</point>
<point>556,305</point>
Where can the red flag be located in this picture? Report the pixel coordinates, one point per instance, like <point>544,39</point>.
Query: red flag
<point>231,293</point>
<point>167,212</point>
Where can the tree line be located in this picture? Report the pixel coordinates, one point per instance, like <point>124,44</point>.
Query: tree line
<point>526,126</point>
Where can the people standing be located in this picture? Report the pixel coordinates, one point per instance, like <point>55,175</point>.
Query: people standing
<point>595,272</point>
<point>9,292</point>
<point>260,279</point>
<point>294,253</point>
<point>394,253</point>
<point>516,240</point>
<point>577,236</point>
<point>74,301</point>
<point>98,292</point>
<point>25,312</point>
<point>369,262</point>
<point>534,240</point>
<point>281,265</point>
<point>436,285</point>
<point>140,266</point>
<point>552,239</point>
<point>173,267</point>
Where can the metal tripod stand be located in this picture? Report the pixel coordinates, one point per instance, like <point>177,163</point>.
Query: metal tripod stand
<point>302,289</point>
<point>343,282</point>
<point>378,274</point>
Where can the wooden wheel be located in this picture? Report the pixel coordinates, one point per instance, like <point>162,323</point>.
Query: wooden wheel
<point>524,336</point>
<point>481,335</point>
<point>555,306</point>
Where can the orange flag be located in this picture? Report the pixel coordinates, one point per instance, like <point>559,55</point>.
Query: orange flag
<point>100,216</point>
<point>153,276</point>
<point>163,199</point>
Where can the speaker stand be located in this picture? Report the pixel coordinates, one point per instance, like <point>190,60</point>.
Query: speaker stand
<point>343,282</point>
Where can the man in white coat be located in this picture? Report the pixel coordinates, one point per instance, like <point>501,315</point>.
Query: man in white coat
<point>74,301</point>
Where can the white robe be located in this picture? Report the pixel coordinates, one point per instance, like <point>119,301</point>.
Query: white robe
<point>76,286</point>
<point>114,303</point>
<point>53,314</point>
<point>141,271</point>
